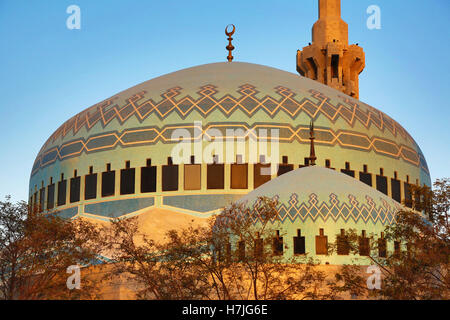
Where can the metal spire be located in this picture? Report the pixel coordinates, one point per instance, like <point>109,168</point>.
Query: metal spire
<point>312,152</point>
<point>230,47</point>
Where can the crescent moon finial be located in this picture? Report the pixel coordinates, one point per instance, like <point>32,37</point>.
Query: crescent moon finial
<point>230,47</point>
<point>230,33</point>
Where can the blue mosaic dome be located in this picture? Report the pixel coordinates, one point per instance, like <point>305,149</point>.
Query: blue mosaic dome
<point>80,169</point>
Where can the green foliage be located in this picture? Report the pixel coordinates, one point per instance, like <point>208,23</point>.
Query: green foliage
<point>35,251</point>
<point>207,263</point>
<point>419,269</point>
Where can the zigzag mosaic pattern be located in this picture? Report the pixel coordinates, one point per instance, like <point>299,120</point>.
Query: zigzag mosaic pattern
<point>334,209</point>
<point>246,100</point>
<point>287,133</point>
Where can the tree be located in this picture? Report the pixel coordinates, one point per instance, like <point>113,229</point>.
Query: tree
<point>236,256</point>
<point>37,249</point>
<point>418,267</point>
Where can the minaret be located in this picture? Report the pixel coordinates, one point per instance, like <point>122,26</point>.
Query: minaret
<point>329,59</point>
<point>312,152</point>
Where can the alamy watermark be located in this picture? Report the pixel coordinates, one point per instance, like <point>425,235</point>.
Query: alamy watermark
<point>74,281</point>
<point>249,146</point>
<point>374,280</point>
<point>74,20</point>
<point>374,20</point>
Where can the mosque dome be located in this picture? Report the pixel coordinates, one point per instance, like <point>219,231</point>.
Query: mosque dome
<point>350,199</point>
<point>113,158</point>
<point>318,202</point>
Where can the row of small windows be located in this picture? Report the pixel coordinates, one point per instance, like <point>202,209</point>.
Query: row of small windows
<point>215,179</point>
<point>321,245</point>
<point>381,182</point>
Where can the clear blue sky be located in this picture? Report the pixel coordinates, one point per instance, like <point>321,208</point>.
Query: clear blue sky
<point>49,73</point>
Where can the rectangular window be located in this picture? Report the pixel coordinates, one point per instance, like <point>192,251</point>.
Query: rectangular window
<point>35,201</point>
<point>192,176</point>
<point>284,166</point>
<point>148,178</point>
<point>408,196</point>
<point>51,196</point>
<point>239,176</point>
<point>224,253</point>
<point>350,173</point>
<point>75,184</point>
<point>170,176</point>
<point>90,186</point>
<point>382,245</point>
<point>108,182</point>
<point>278,244</point>
<point>227,251</point>
<point>364,245</point>
<point>382,184</point>
<point>396,248</point>
<point>395,186</point>
<point>259,248</point>
<point>41,199</point>
<point>62,188</point>
<point>335,66</point>
<point>261,174</point>
<point>343,247</point>
<point>347,170</point>
<point>299,243</point>
<point>321,243</point>
<point>241,250</point>
<point>417,198</point>
<point>127,180</point>
<point>366,178</point>
<point>215,176</point>
<point>313,68</point>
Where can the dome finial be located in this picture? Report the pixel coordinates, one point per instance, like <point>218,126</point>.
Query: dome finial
<point>312,152</point>
<point>230,47</point>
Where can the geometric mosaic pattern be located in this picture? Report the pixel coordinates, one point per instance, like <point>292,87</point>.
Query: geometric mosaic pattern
<point>287,133</point>
<point>335,210</point>
<point>245,100</point>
